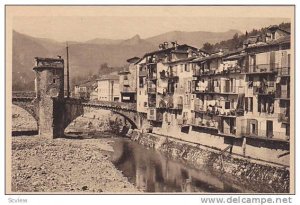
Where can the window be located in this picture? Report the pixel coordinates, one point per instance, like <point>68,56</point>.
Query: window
<point>53,80</point>
<point>188,69</point>
<point>246,104</point>
<point>250,104</point>
<point>287,131</point>
<point>273,36</point>
<point>140,92</point>
<point>181,68</point>
<point>185,67</point>
<point>152,112</point>
<point>252,128</point>
<point>227,105</point>
<point>145,104</point>
<point>186,99</point>
<point>125,77</point>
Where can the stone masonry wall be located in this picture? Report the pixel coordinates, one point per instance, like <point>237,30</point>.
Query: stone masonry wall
<point>275,179</point>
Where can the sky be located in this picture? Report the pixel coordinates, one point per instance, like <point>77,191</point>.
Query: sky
<point>86,23</point>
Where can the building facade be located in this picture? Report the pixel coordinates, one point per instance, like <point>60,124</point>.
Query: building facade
<point>228,98</point>
<point>128,81</point>
<point>109,88</point>
<point>85,89</point>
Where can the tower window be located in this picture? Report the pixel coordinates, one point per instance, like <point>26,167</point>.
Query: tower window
<point>53,80</point>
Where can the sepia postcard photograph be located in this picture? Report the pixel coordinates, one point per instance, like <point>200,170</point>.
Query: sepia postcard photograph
<point>136,99</point>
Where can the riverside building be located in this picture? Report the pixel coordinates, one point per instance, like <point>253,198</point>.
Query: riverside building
<point>239,99</point>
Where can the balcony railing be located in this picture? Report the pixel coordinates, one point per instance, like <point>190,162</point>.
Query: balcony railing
<point>151,90</point>
<point>263,134</point>
<point>199,108</point>
<point>284,118</point>
<point>204,123</point>
<point>263,68</point>
<point>219,89</point>
<point>284,94</point>
<point>157,116</point>
<point>179,106</point>
<point>126,82</point>
<point>152,76</point>
<point>142,73</point>
<point>128,89</point>
<point>124,71</point>
<point>264,90</point>
<point>228,131</point>
<point>232,69</point>
<point>284,71</point>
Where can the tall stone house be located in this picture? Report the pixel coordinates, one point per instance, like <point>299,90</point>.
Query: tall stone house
<point>223,98</point>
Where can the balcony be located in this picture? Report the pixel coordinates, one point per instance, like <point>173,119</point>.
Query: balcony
<point>232,113</point>
<point>229,131</point>
<point>283,93</point>
<point>210,88</point>
<point>208,124</point>
<point>142,73</point>
<point>126,82</point>
<point>166,103</point>
<point>263,68</point>
<point>151,90</point>
<point>124,71</point>
<point>262,134</point>
<point>198,108</point>
<point>234,69</point>
<point>152,76</point>
<point>264,90</point>
<point>233,90</point>
<point>179,106</point>
<point>284,71</point>
<point>126,89</point>
<point>154,115</point>
<point>284,118</point>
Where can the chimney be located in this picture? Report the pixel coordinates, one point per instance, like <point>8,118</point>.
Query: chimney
<point>166,44</point>
<point>176,44</point>
<point>160,47</point>
<point>221,52</point>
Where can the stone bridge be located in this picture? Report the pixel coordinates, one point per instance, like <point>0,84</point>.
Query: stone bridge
<point>52,122</point>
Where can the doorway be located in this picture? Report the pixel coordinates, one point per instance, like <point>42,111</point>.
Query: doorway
<point>269,129</point>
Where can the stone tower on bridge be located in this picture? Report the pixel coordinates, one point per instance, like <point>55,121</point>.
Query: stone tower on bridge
<point>53,111</point>
<point>49,87</point>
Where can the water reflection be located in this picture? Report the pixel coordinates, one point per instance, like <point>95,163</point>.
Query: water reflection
<point>151,171</point>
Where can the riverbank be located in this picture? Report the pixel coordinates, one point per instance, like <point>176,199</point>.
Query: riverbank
<point>65,165</point>
<point>261,177</point>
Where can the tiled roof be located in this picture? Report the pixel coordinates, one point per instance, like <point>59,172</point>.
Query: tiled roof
<point>280,41</point>
<point>108,77</point>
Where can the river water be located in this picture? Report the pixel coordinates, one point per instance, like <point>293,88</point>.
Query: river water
<point>151,171</point>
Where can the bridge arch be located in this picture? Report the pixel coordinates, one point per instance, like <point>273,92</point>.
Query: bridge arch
<point>75,110</point>
<point>23,119</point>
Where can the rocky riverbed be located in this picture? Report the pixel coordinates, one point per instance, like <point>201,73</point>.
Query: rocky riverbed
<point>64,164</point>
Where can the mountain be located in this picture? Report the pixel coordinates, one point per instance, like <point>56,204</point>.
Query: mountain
<point>104,41</point>
<point>87,57</point>
<point>196,38</point>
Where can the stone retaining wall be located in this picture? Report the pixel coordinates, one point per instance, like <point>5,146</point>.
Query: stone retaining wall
<point>260,176</point>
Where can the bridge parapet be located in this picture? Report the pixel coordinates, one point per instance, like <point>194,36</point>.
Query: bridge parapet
<point>23,94</point>
<point>115,105</point>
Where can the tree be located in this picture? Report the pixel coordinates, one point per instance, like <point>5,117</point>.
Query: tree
<point>208,47</point>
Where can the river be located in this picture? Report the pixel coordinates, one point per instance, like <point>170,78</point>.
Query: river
<point>151,171</point>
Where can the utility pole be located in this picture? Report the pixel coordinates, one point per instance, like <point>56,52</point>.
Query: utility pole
<point>68,74</point>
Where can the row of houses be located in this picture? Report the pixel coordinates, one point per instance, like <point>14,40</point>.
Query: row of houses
<point>245,92</point>
<point>105,88</point>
